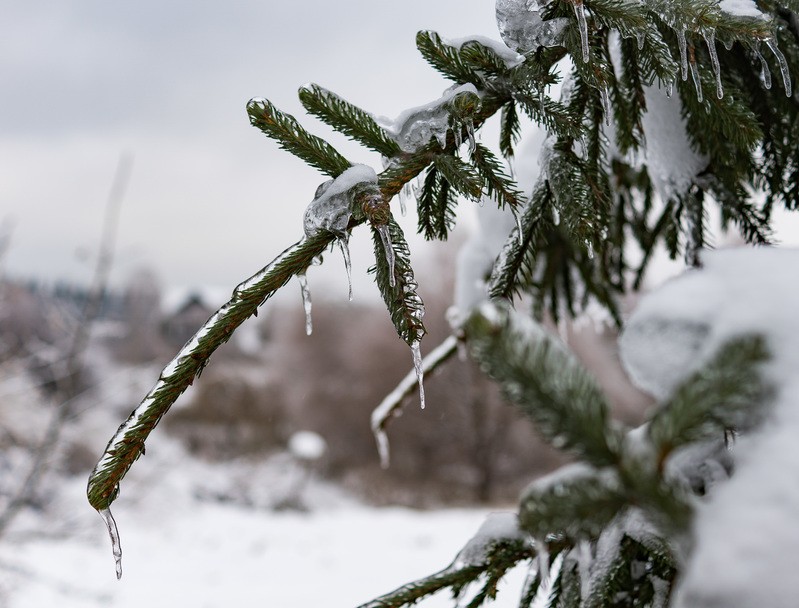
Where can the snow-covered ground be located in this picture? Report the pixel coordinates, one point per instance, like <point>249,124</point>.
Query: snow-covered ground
<point>209,555</point>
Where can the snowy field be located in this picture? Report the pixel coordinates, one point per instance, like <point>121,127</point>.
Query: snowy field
<point>215,555</point>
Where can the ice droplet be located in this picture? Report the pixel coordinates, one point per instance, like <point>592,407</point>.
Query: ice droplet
<point>385,236</point>
<point>786,75</point>
<point>556,216</point>
<point>710,40</point>
<point>113,532</point>
<point>417,365</point>
<point>579,11</point>
<point>344,243</point>
<point>683,53</point>
<point>306,302</point>
<point>765,72</point>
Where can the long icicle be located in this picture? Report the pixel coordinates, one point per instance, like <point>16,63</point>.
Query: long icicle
<point>344,243</point>
<point>683,53</point>
<point>417,365</point>
<point>786,75</point>
<point>113,532</point>
<point>306,302</point>
<point>579,11</point>
<point>695,73</point>
<point>710,40</point>
<point>765,72</point>
<point>382,230</point>
<point>391,405</point>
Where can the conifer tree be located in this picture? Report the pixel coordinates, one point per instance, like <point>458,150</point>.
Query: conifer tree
<point>667,111</point>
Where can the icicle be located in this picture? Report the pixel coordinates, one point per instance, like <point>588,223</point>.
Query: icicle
<point>710,40</point>
<point>113,532</point>
<point>405,194</point>
<point>579,10</point>
<point>542,560</point>
<point>695,77</point>
<point>765,72</point>
<point>441,138</point>
<point>728,44</point>
<point>385,236</point>
<point>457,131</point>
<point>640,37</point>
<point>518,226</point>
<point>306,302</point>
<point>669,88</point>
<point>605,94</point>
<point>417,365</point>
<point>584,559</point>
<point>383,449</point>
<point>683,53</point>
<point>556,216</point>
<point>786,76</point>
<point>344,243</point>
<point>541,99</point>
<point>470,134</point>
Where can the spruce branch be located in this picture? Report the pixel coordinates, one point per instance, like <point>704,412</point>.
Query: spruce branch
<point>576,501</point>
<point>503,556</point>
<point>510,129</point>
<point>127,444</point>
<point>347,119</point>
<point>728,393</point>
<point>291,136</point>
<point>400,296</point>
<point>495,182</point>
<point>460,176</point>
<point>513,267</point>
<point>545,381</point>
<point>445,59</point>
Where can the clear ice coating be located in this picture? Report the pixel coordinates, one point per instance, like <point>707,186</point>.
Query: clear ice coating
<point>710,40</point>
<point>413,129</point>
<point>522,29</point>
<point>786,75</point>
<point>683,43</point>
<point>306,302</point>
<point>765,72</point>
<point>113,532</point>
<point>330,210</point>
<point>417,365</point>
<point>344,243</point>
<point>579,11</point>
<point>388,249</point>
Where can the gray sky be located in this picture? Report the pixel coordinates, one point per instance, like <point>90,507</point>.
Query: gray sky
<point>211,199</point>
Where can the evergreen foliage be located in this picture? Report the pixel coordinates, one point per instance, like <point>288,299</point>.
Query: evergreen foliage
<point>605,528</point>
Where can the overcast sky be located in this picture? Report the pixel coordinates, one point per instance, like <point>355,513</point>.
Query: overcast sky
<point>211,199</point>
